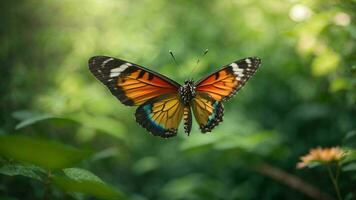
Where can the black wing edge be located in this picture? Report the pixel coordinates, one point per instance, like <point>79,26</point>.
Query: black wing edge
<point>100,67</point>
<point>253,66</point>
<point>106,63</point>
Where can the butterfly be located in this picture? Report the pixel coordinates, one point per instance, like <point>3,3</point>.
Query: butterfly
<point>163,103</point>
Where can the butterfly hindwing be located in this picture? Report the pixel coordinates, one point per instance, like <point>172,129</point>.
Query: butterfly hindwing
<point>161,115</point>
<point>132,84</point>
<point>208,112</point>
<point>223,84</point>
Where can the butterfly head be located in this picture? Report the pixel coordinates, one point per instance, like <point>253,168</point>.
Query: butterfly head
<point>187,91</point>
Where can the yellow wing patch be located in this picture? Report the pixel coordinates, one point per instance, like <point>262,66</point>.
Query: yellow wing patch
<point>162,115</point>
<point>207,111</point>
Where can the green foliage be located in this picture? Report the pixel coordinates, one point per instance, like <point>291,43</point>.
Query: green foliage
<point>81,175</point>
<point>49,155</point>
<point>52,156</point>
<point>29,171</point>
<point>83,181</point>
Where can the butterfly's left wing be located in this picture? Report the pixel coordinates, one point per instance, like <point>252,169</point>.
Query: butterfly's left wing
<point>208,112</point>
<point>223,84</point>
<point>132,84</point>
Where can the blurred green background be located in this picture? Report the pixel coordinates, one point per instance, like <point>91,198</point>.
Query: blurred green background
<point>303,96</point>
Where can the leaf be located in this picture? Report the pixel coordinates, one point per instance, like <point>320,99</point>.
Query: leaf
<point>24,114</point>
<point>106,153</point>
<point>22,170</point>
<point>84,181</point>
<point>350,135</point>
<point>81,175</point>
<point>349,167</point>
<point>32,120</point>
<point>29,118</point>
<point>94,188</point>
<point>47,154</point>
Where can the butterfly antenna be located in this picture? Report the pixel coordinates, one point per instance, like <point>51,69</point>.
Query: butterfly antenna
<point>198,61</point>
<point>174,58</point>
<point>175,61</point>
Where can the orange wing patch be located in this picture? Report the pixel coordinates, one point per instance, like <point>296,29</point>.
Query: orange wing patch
<point>132,84</point>
<point>224,84</point>
<point>140,86</point>
<point>219,85</point>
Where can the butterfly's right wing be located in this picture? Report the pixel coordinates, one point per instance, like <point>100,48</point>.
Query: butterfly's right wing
<point>132,84</point>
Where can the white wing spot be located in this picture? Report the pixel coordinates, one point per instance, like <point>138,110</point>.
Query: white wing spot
<point>106,61</point>
<point>248,61</point>
<point>235,67</point>
<point>117,71</point>
<point>239,70</point>
<point>114,74</point>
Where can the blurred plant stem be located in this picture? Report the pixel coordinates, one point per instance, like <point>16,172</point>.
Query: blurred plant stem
<point>291,181</point>
<point>335,179</point>
<point>46,186</point>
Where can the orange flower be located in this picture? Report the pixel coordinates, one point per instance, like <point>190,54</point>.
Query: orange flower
<point>319,154</point>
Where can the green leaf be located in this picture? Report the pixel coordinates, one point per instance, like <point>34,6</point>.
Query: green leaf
<point>94,188</point>
<point>47,154</point>
<point>81,175</point>
<point>22,170</point>
<point>33,120</point>
<point>84,181</point>
<point>350,135</point>
<point>349,167</point>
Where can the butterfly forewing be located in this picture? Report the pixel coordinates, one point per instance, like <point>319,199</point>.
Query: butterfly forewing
<point>132,84</point>
<point>223,84</point>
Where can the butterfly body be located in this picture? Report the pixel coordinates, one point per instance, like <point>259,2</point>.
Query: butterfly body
<point>187,92</point>
<point>163,103</point>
